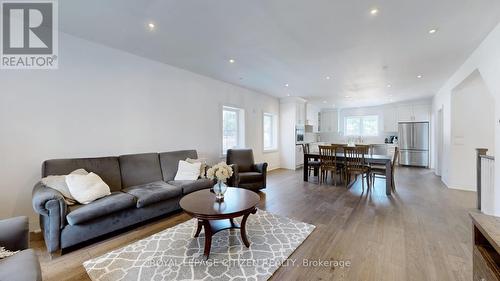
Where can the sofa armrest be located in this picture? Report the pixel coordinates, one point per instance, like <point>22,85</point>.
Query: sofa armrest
<point>50,204</point>
<point>234,180</point>
<point>262,168</point>
<point>14,233</point>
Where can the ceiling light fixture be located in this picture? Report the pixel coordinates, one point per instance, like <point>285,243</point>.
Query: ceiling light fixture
<point>432,31</point>
<point>327,77</point>
<point>232,61</point>
<point>151,26</point>
<point>389,85</point>
<point>419,76</point>
<point>374,11</point>
<point>287,95</point>
<point>286,85</point>
<point>324,101</point>
<point>347,97</point>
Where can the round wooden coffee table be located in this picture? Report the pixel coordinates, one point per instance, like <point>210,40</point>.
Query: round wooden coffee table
<point>214,216</point>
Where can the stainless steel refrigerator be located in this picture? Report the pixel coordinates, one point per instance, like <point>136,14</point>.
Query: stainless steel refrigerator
<point>413,142</point>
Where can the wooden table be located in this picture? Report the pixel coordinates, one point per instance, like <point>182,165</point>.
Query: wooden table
<point>370,159</point>
<point>214,216</point>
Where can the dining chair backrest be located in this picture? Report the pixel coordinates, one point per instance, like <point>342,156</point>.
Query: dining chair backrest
<point>328,155</point>
<point>367,149</point>
<point>339,147</point>
<point>305,148</point>
<point>354,157</point>
<point>395,158</point>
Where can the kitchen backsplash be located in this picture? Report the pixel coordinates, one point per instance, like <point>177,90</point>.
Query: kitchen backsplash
<point>334,137</point>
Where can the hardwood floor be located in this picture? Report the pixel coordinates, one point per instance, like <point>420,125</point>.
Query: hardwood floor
<point>422,232</point>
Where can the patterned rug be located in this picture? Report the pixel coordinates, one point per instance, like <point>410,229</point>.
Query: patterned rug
<point>174,254</point>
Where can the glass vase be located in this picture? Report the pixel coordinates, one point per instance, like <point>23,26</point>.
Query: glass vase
<point>219,189</point>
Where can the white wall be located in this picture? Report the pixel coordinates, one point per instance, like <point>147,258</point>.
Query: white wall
<point>103,102</point>
<point>472,126</point>
<point>486,60</point>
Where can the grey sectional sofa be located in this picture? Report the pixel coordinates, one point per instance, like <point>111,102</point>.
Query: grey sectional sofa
<point>142,187</point>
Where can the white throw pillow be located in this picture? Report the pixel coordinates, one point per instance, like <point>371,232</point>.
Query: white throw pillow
<point>87,188</point>
<point>59,183</point>
<point>203,167</point>
<point>4,253</point>
<point>187,171</point>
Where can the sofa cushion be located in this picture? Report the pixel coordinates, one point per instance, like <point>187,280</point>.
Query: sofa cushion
<point>23,266</point>
<point>170,161</point>
<point>250,177</point>
<point>192,186</point>
<point>140,169</point>
<point>153,192</point>
<point>107,168</point>
<point>114,202</point>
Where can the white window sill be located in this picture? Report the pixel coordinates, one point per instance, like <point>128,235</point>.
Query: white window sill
<point>271,150</point>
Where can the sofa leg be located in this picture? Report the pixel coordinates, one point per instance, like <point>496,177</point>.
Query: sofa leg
<point>54,255</point>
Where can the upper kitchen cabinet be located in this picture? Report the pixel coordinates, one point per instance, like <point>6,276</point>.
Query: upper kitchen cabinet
<point>390,119</point>
<point>312,116</point>
<point>328,121</point>
<point>300,116</point>
<point>422,112</point>
<point>414,112</point>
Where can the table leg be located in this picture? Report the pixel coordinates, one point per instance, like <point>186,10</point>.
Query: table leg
<point>306,168</point>
<point>208,238</point>
<point>243,229</point>
<point>388,176</point>
<point>198,230</point>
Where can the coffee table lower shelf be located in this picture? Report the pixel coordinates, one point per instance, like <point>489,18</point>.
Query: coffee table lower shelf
<point>211,227</point>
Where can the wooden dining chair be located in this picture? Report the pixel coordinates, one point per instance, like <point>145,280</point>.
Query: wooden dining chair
<point>328,162</point>
<point>312,164</point>
<point>367,150</point>
<point>355,164</point>
<point>379,170</point>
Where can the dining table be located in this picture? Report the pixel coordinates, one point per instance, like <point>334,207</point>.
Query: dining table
<point>369,159</point>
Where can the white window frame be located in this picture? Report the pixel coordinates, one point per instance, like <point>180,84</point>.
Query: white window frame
<point>274,132</point>
<point>361,129</point>
<point>240,113</point>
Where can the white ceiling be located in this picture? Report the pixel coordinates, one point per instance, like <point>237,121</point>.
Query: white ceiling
<point>298,42</point>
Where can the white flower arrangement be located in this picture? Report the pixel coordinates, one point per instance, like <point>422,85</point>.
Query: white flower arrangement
<point>220,171</point>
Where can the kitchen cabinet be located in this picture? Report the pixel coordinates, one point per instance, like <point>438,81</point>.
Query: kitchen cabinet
<point>414,112</point>
<point>312,116</point>
<point>390,119</point>
<point>329,121</point>
<point>299,156</point>
<point>421,113</point>
<point>300,116</point>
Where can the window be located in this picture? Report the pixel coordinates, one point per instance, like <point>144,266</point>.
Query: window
<point>233,135</point>
<point>361,125</point>
<point>270,129</point>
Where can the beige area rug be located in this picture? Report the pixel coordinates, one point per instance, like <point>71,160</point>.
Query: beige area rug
<point>174,254</point>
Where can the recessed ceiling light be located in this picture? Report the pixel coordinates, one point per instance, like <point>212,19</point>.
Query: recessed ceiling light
<point>374,11</point>
<point>432,31</point>
<point>232,61</point>
<point>327,77</point>
<point>151,25</point>
<point>419,76</point>
<point>324,101</point>
<point>286,85</point>
<point>287,95</point>
<point>347,97</point>
<point>389,85</point>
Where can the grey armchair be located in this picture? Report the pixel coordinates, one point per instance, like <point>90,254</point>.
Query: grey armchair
<point>246,173</point>
<point>23,266</point>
